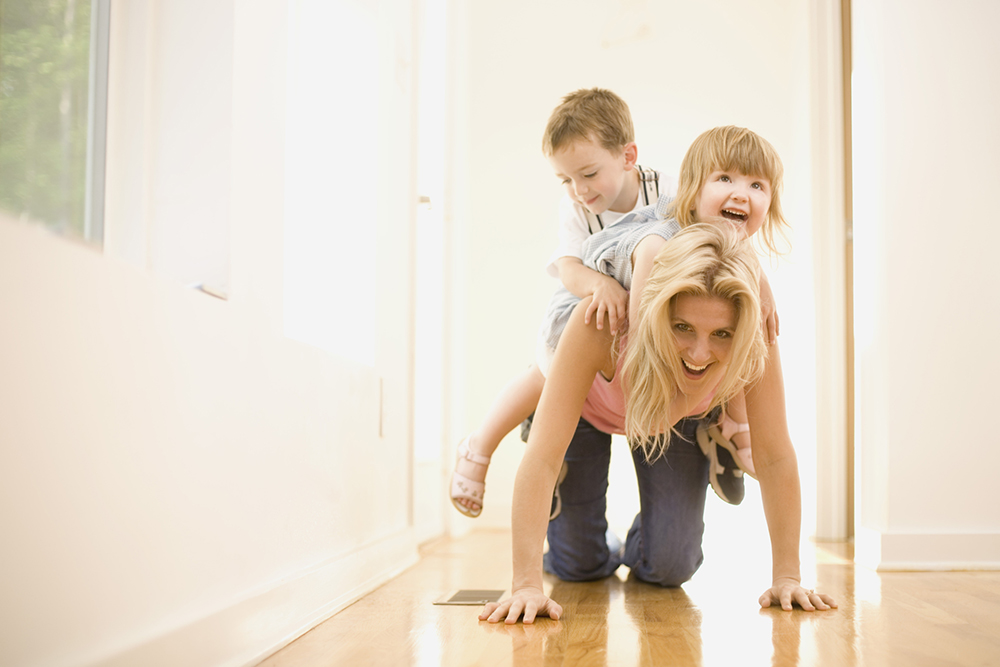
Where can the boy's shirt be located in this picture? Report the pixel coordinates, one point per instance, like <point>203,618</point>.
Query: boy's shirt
<point>574,225</point>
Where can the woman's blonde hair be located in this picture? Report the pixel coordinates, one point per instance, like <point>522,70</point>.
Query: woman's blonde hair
<point>731,148</point>
<point>712,260</point>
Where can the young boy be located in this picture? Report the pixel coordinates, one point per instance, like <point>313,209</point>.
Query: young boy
<point>590,143</point>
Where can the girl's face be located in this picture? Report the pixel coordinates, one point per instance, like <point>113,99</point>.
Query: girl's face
<point>703,328</point>
<point>743,200</point>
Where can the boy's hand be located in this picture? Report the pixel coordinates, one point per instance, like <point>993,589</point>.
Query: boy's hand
<point>768,311</point>
<point>609,298</point>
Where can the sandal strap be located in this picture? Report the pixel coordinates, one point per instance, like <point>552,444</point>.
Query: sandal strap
<point>732,427</point>
<point>469,455</point>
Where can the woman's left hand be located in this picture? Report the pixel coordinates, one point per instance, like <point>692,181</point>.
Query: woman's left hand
<point>787,592</point>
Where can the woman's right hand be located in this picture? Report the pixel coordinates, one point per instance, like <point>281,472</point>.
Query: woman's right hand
<point>529,602</point>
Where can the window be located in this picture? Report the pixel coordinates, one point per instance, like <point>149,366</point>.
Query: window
<point>53,94</point>
<point>333,176</point>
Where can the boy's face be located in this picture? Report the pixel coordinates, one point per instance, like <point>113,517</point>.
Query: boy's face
<point>741,199</point>
<point>595,176</point>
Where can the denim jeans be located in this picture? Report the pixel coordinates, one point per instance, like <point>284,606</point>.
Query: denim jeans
<point>663,545</point>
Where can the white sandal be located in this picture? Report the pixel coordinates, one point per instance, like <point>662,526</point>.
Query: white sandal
<point>463,488</point>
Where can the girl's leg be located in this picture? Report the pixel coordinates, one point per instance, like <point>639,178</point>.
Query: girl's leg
<point>512,406</point>
<point>736,429</point>
<point>664,544</point>
<point>725,439</point>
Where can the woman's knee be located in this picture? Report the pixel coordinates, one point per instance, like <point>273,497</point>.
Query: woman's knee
<point>671,572</point>
<point>661,557</point>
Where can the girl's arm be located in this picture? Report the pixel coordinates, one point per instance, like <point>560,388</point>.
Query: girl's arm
<point>642,262</point>
<point>768,311</point>
<point>778,474</point>
<point>583,351</point>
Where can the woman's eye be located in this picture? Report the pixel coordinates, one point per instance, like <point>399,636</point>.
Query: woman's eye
<point>723,334</point>
<point>680,326</point>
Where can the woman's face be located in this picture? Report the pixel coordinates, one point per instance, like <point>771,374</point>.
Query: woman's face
<point>703,327</point>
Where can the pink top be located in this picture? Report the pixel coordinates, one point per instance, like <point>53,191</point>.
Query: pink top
<point>605,404</point>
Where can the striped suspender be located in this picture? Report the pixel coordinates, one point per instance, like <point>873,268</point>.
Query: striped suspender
<point>593,221</point>
<point>649,179</point>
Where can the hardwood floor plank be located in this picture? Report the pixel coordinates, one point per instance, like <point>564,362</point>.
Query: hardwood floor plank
<point>909,619</point>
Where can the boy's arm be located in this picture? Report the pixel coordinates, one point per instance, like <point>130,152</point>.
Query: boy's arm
<point>609,296</point>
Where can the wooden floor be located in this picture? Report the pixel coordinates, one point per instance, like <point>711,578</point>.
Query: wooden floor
<point>910,619</point>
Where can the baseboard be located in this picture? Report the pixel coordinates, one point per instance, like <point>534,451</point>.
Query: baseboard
<point>250,631</point>
<point>887,552</point>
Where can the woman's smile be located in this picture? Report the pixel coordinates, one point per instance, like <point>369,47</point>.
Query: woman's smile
<point>693,371</point>
<point>703,328</point>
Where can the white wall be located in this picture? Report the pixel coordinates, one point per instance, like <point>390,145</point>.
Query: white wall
<point>180,484</point>
<point>683,68</point>
<point>925,140</point>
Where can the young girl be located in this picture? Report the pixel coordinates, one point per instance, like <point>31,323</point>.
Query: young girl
<point>695,341</point>
<point>728,172</point>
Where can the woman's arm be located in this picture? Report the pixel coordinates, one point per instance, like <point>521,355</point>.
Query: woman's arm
<point>583,351</point>
<point>778,474</point>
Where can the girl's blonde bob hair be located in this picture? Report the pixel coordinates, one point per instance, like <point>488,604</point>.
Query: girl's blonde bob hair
<point>731,148</point>
<point>713,260</point>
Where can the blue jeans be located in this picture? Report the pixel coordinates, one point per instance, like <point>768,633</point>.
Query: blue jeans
<point>663,545</point>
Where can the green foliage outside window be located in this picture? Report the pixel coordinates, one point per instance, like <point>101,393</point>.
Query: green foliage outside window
<point>44,71</point>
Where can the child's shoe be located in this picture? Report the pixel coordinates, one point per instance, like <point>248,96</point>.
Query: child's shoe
<point>556,496</point>
<point>464,488</point>
<point>725,473</point>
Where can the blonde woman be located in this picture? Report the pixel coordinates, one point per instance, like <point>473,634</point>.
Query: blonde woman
<point>694,342</point>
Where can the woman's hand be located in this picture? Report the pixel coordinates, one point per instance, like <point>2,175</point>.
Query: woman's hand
<point>530,602</point>
<point>787,592</point>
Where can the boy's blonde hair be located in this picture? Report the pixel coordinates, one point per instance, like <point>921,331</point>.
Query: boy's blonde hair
<point>700,260</point>
<point>591,113</point>
<point>731,148</point>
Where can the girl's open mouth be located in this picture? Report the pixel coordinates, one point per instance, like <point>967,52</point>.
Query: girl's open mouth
<point>735,216</point>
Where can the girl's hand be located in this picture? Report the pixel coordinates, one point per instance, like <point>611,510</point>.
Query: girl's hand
<point>530,602</point>
<point>609,298</point>
<point>768,311</point>
<point>787,592</point>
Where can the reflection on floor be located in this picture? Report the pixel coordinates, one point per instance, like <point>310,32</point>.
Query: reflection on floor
<point>910,619</point>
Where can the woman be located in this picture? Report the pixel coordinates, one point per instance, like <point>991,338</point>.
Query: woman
<point>694,342</point>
